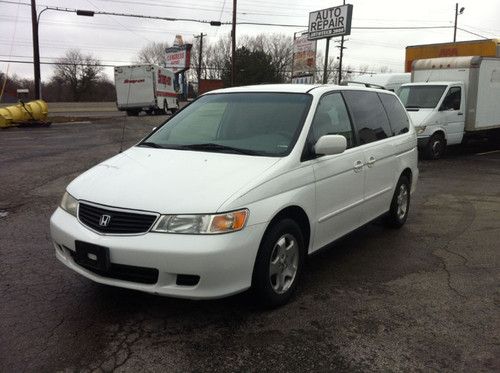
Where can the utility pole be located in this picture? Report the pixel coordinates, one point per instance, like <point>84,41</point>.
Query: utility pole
<point>200,56</point>
<point>457,13</point>
<point>455,28</point>
<point>36,50</point>
<point>325,69</point>
<point>341,55</point>
<point>341,47</point>
<point>233,46</point>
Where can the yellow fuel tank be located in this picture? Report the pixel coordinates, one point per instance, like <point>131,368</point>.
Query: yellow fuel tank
<point>17,114</point>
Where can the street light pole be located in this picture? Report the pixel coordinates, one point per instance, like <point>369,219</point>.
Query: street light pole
<point>36,50</point>
<point>35,22</point>
<point>88,13</point>
<point>457,13</point>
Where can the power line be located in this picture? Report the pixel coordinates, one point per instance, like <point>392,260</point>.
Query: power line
<point>58,63</point>
<point>473,33</point>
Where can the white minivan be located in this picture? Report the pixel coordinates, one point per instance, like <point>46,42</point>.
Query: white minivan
<point>237,188</point>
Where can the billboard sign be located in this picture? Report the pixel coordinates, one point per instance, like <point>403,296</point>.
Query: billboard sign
<point>330,22</point>
<point>178,58</point>
<point>304,56</point>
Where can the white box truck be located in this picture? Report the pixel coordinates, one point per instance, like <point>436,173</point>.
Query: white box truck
<point>452,98</point>
<point>148,88</point>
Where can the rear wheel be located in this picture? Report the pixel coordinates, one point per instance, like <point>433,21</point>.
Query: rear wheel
<point>435,147</point>
<point>400,204</point>
<point>175,109</point>
<point>132,113</point>
<point>279,263</point>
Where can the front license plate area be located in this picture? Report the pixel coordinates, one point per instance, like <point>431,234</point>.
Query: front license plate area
<point>91,256</point>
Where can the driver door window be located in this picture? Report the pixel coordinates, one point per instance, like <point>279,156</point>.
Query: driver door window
<point>452,99</point>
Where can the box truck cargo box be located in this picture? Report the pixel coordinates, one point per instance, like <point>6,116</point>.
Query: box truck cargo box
<point>149,88</point>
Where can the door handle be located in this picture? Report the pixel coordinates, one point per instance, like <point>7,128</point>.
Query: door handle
<point>358,166</point>
<point>460,113</point>
<point>371,161</point>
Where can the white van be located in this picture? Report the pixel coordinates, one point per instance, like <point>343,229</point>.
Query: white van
<point>147,87</point>
<point>237,188</point>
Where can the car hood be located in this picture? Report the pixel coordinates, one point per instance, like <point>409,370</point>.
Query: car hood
<point>169,181</point>
<point>420,117</point>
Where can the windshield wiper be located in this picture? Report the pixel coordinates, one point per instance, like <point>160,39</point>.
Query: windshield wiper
<point>219,148</point>
<point>150,144</point>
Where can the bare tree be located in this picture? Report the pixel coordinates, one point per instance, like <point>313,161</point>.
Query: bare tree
<point>332,70</point>
<point>79,71</point>
<point>215,56</point>
<point>154,53</point>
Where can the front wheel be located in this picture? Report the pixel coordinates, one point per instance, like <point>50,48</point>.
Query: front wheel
<point>279,263</point>
<point>435,147</point>
<point>400,204</point>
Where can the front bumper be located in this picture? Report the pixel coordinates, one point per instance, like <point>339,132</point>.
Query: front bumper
<point>224,262</point>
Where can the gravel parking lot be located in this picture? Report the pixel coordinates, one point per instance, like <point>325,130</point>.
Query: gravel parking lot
<point>425,297</point>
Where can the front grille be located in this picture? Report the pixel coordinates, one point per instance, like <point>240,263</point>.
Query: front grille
<point>142,275</point>
<point>120,222</point>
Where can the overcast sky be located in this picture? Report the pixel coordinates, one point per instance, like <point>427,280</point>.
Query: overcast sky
<point>116,40</point>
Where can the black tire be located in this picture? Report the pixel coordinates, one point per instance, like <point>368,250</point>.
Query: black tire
<point>264,284</point>
<point>173,110</point>
<point>132,113</point>
<point>395,217</point>
<point>435,147</point>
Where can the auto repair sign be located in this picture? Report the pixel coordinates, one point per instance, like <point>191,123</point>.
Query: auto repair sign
<point>330,22</point>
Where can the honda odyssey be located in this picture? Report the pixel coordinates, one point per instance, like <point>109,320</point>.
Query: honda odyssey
<point>235,190</point>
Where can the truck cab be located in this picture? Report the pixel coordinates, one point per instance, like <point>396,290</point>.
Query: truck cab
<point>437,111</point>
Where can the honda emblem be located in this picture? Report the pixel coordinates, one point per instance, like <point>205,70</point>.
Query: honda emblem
<point>104,221</point>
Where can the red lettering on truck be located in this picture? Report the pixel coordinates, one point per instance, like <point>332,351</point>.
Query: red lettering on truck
<point>163,79</point>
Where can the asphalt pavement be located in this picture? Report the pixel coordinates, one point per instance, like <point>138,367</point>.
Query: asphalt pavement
<point>422,298</point>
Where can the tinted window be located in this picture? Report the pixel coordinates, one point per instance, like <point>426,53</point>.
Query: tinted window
<point>369,116</point>
<point>452,99</point>
<point>331,118</point>
<point>396,113</point>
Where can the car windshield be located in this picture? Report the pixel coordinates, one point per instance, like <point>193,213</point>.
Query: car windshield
<point>420,96</point>
<point>246,123</point>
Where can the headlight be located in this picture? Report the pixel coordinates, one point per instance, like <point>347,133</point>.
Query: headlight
<point>69,204</point>
<point>420,129</point>
<point>202,224</point>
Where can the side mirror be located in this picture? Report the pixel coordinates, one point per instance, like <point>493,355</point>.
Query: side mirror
<point>330,144</point>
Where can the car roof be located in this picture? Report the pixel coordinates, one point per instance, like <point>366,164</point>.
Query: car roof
<point>315,89</point>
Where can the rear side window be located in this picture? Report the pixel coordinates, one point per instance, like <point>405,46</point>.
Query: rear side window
<point>396,113</point>
<point>370,119</point>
